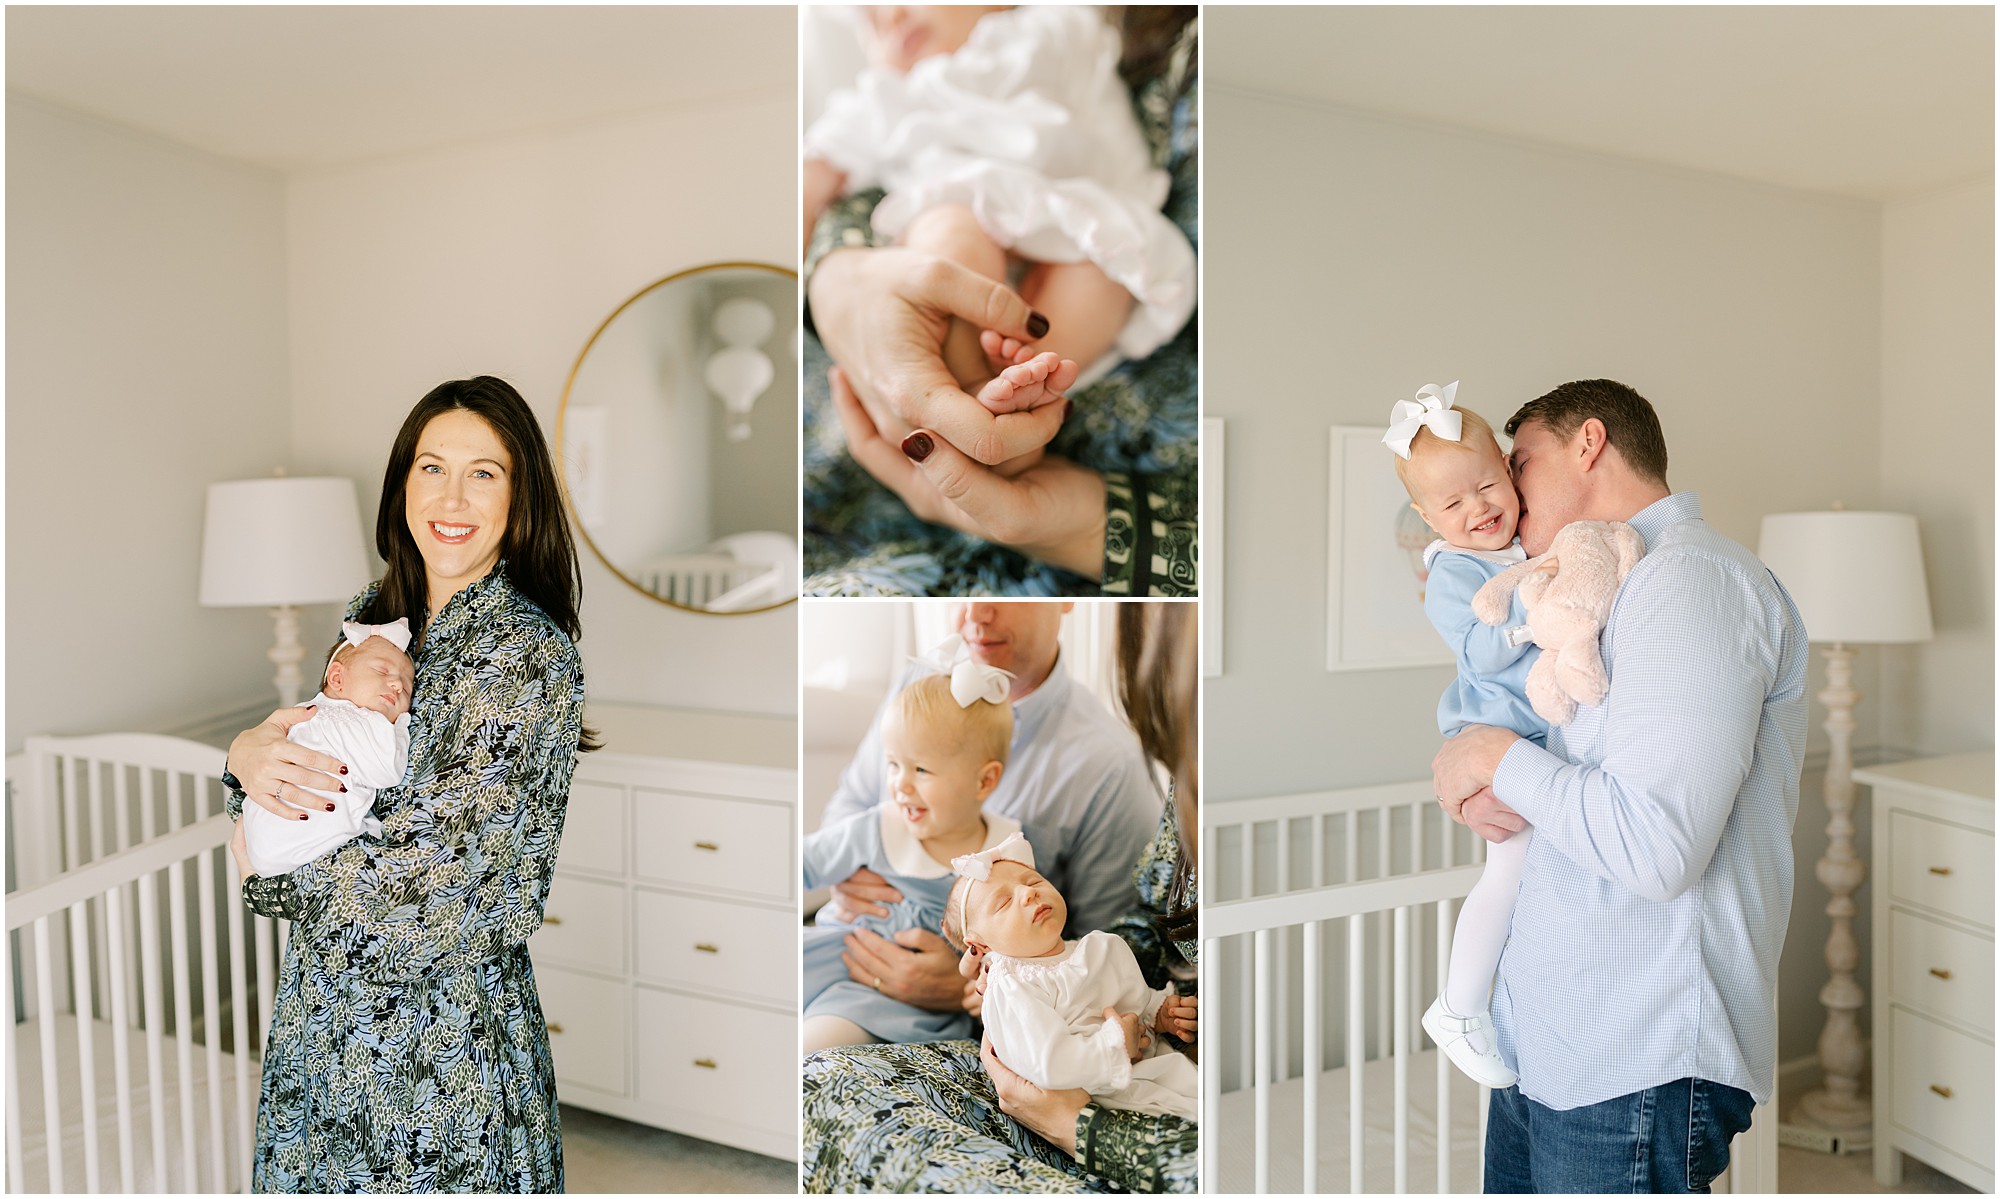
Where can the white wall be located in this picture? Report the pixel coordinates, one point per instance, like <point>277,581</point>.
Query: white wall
<point>501,259</point>
<point>1351,259</point>
<point>145,360</point>
<point>1937,460</point>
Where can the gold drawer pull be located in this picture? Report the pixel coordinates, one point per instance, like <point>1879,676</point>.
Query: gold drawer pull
<point>1940,870</point>
<point>706,948</point>
<point>552,920</point>
<point>555,1029</point>
<point>710,846</point>
<point>708,1063</point>
<point>1940,973</point>
<point>1944,1091</point>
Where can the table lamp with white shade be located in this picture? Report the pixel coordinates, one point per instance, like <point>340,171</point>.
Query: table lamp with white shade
<point>280,543</point>
<point>1858,579</point>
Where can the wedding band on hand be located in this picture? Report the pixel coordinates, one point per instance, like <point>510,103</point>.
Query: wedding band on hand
<point>878,983</point>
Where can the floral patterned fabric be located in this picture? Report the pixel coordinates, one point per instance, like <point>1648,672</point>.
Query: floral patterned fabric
<point>407,1050</point>
<point>925,1117</point>
<point>1139,425</point>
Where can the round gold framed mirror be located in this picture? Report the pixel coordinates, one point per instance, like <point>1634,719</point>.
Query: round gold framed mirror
<point>678,436</point>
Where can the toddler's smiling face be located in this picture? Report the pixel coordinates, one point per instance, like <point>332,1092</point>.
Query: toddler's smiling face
<point>935,779</point>
<point>1466,496</point>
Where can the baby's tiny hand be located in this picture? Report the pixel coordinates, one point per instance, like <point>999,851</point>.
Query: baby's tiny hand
<point>1136,1037</point>
<point>1177,1017</point>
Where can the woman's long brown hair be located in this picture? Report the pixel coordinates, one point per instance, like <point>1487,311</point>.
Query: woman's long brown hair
<point>1156,686</point>
<point>540,553</point>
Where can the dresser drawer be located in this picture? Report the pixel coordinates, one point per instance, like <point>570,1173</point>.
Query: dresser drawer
<point>588,1025</point>
<point>1941,866</point>
<point>1941,969</point>
<point>708,1057</point>
<point>583,925</point>
<point>594,829</point>
<point>1943,1088</point>
<point>715,946</point>
<point>708,843</point>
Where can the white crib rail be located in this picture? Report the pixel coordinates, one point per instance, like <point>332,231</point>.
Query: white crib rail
<point>1359,865</point>
<point>131,824</point>
<point>697,579</point>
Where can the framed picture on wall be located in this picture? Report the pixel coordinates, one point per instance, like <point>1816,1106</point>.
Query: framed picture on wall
<point>1375,562</point>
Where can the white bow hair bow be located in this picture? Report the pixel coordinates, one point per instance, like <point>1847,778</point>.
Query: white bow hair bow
<point>1432,408</point>
<point>979,866</point>
<point>970,681</point>
<point>396,632</point>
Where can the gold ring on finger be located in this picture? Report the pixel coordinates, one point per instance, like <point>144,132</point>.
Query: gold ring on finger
<point>878,982</point>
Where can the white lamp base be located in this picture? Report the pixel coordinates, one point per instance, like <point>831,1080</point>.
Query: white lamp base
<point>287,654</point>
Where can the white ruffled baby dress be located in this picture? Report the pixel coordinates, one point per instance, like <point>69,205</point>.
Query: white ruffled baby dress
<point>1030,127</point>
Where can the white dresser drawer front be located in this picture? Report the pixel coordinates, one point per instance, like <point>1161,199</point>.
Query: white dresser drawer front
<point>1941,969</point>
<point>715,946</point>
<point>594,828</point>
<point>588,1023</point>
<point>710,1057</point>
<point>1944,1086</point>
<point>1941,866</point>
<point>583,925</point>
<point>708,843</point>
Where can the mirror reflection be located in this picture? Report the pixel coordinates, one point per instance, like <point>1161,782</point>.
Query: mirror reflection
<point>679,439</point>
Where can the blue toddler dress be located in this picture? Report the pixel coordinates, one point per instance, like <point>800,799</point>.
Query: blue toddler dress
<point>1492,683</point>
<point>880,839</point>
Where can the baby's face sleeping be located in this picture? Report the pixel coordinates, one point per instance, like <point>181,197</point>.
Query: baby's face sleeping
<point>374,675</point>
<point>935,780</point>
<point>1015,911</point>
<point>898,36</point>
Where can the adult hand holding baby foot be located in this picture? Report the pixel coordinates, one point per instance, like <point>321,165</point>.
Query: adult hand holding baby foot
<point>1054,510</point>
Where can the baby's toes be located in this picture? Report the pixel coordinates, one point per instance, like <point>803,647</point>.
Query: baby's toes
<point>1064,376</point>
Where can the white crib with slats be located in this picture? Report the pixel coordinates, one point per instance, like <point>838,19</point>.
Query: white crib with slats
<point>1326,929</point>
<point>141,987</point>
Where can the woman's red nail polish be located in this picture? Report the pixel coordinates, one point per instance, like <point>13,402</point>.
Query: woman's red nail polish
<point>343,770</point>
<point>343,790</point>
<point>302,815</point>
<point>1038,325</point>
<point>918,446</point>
<point>329,807</point>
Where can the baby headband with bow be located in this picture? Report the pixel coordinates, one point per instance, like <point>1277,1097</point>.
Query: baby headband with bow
<point>1431,409</point>
<point>970,681</point>
<point>979,866</point>
<point>396,632</point>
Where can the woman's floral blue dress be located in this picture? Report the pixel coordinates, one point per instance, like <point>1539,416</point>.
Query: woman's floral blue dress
<point>407,1050</point>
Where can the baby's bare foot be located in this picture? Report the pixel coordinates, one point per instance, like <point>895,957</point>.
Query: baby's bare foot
<point>1002,351</point>
<point>1041,379</point>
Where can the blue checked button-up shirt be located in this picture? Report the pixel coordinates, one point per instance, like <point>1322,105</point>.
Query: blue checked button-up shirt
<point>1659,883</point>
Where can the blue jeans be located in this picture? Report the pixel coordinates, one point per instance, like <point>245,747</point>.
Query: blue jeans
<point>1671,1139</point>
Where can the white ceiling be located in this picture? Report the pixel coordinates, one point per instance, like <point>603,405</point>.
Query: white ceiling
<point>1875,102</point>
<point>300,88</point>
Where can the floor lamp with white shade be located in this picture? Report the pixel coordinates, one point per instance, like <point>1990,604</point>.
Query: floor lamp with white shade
<point>281,543</point>
<point>1858,579</point>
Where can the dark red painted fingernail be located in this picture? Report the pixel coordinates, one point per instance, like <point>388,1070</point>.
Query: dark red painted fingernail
<point>918,446</point>
<point>343,788</point>
<point>343,770</point>
<point>302,815</point>
<point>1038,325</point>
<point>329,807</point>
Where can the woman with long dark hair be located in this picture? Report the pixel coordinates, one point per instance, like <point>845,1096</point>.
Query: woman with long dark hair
<point>407,1049</point>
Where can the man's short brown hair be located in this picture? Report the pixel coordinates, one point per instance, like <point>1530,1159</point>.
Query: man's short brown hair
<point>1629,421</point>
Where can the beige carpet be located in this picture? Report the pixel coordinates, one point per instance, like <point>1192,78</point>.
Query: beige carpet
<point>606,1155</point>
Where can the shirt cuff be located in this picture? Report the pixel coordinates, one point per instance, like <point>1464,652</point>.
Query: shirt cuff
<point>1525,778</point>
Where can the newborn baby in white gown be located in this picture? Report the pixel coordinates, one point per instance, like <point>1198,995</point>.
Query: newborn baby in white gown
<point>1006,142</point>
<point>1066,1014</point>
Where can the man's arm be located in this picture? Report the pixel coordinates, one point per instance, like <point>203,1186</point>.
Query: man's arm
<point>1694,655</point>
<point>1099,860</point>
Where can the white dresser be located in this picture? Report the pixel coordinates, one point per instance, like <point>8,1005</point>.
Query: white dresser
<point>1933,965</point>
<point>668,958</point>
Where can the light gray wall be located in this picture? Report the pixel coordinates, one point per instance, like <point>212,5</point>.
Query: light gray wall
<point>145,360</point>
<point>1352,258</point>
<point>501,259</point>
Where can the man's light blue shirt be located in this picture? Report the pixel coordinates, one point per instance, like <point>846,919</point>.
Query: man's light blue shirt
<point>1075,779</point>
<point>1645,942</point>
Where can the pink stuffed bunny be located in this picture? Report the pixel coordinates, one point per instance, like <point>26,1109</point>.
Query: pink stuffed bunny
<point>1567,594</point>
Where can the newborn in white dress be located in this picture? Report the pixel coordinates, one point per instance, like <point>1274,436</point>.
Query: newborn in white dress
<point>1066,1014</point>
<point>361,717</point>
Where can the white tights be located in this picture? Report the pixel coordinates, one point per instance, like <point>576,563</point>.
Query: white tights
<point>1482,925</point>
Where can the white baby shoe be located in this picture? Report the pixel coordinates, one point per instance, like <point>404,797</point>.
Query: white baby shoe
<point>1460,1038</point>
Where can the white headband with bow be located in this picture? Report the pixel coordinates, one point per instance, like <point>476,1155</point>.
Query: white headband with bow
<point>396,632</point>
<point>1431,409</point>
<point>979,866</point>
<point>970,681</point>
